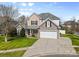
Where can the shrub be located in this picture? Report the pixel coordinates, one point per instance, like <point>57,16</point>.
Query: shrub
<point>33,35</point>
<point>22,32</point>
<point>13,33</point>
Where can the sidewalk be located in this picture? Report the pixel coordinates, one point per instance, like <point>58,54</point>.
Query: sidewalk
<point>75,46</point>
<point>13,50</point>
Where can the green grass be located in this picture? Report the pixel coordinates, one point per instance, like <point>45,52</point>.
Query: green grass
<point>1,38</point>
<point>12,54</point>
<point>17,42</point>
<point>77,50</point>
<point>74,38</point>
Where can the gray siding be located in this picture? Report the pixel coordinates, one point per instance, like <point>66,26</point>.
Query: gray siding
<point>53,28</point>
<point>44,28</point>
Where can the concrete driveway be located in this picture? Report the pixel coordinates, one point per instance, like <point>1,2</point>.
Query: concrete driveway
<point>50,47</point>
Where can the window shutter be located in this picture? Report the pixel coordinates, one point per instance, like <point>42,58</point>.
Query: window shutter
<point>45,24</point>
<point>50,24</point>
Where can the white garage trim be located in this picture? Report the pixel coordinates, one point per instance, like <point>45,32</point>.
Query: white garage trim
<point>48,35</point>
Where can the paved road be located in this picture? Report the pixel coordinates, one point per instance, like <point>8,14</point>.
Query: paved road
<point>50,47</point>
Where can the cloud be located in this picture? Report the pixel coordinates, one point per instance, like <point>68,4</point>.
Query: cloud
<point>30,9</point>
<point>25,9</point>
<point>15,8</point>
<point>77,17</point>
<point>25,13</point>
<point>30,4</point>
<point>14,2</point>
<point>67,18</point>
<point>23,4</point>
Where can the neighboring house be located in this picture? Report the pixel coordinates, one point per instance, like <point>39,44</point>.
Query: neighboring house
<point>44,25</point>
<point>62,31</point>
<point>71,26</point>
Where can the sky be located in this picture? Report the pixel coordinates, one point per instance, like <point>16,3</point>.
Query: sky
<point>64,10</point>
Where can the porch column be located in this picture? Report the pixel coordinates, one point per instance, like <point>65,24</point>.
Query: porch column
<point>26,32</point>
<point>30,32</point>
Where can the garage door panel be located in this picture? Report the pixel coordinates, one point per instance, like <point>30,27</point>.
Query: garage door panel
<point>48,35</point>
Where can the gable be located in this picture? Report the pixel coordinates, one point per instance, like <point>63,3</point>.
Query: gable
<point>52,26</point>
<point>34,17</point>
<point>56,22</point>
<point>50,22</point>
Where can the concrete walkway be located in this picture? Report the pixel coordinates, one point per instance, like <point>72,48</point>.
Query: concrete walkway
<point>75,46</point>
<point>50,47</point>
<point>13,50</point>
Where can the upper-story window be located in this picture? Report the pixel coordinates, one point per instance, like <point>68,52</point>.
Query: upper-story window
<point>34,22</point>
<point>48,24</point>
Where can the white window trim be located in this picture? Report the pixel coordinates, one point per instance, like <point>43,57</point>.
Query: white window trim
<point>48,23</point>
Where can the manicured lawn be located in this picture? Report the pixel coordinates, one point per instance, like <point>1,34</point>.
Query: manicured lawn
<point>77,50</point>
<point>1,38</point>
<point>12,54</point>
<point>74,38</point>
<point>17,42</point>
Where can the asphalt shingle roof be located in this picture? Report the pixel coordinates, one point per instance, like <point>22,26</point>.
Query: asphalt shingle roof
<point>48,15</point>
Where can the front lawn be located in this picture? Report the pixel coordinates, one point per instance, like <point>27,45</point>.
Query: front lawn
<point>12,54</point>
<point>77,50</point>
<point>17,42</point>
<point>74,38</point>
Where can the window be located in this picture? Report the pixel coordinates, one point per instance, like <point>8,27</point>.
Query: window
<point>33,22</point>
<point>48,24</point>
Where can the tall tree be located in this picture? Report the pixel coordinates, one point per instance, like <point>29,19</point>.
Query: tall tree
<point>8,14</point>
<point>73,28</point>
<point>22,32</point>
<point>22,20</point>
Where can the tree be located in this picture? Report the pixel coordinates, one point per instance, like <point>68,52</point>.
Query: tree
<point>22,21</point>
<point>8,13</point>
<point>22,32</point>
<point>73,29</point>
<point>13,32</point>
<point>61,25</point>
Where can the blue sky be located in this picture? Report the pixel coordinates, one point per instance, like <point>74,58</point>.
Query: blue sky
<point>64,10</point>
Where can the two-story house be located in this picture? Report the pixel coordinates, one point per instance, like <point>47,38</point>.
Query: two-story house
<point>71,26</point>
<point>44,25</point>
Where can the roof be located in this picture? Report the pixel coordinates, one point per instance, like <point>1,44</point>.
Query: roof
<point>43,16</point>
<point>49,20</point>
<point>34,14</point>
<point>32,27</point>
<point>48,15</point>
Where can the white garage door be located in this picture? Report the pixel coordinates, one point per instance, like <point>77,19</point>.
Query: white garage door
<point>48,35</point>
